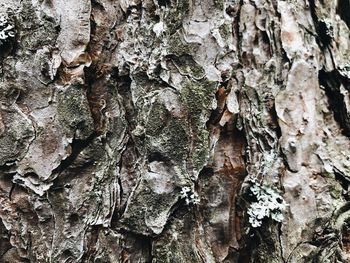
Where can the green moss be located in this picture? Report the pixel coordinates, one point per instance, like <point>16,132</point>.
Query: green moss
<point>172,141</point>
<point>201,152</point>
<point>40,37</point>
<point>176,16</point>
<point>73,110</point>
<point>219,4</point>
<point>171,253</point>
<point>225,31</point>
<point>187,66</point>
<point>8,148</point>
<point>177,46</point>
<point>166,134</point>
<point>176,139</point>
<point>185,139</point>
<point>157,119</point>
<point>167,248</point>
<point>198,96</point>
<point>16,138</point>
<point>145,204</point>
<point>336,192</point>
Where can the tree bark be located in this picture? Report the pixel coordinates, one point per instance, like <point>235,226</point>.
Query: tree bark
<point>174,131</point>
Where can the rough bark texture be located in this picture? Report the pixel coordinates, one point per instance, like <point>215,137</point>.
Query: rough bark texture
<point>118,116</point>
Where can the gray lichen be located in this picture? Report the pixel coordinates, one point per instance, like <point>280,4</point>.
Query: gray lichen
<point>189,195</point>
<point>7,29</point>
<point>269,204</point>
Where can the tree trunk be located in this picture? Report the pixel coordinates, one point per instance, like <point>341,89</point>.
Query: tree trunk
<point>174,131</point>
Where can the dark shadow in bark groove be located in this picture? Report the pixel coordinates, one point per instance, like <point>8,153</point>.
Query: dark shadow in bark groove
<point>157,156</point>
<point>343,10</point>
<point>323,37</point>
<point>166,3</point>
<point>91,242</point>
<point>332,82</point>
<point>123,83</point>
<point>77,147</point>
<point>345,240</point>
<point>144,242</point>
<point>5,244</point>
<point>344,182</point>
<point>126,163</point>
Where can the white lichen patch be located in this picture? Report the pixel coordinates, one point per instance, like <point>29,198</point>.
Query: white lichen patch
<point>159,28</point>
<point>269,204</point>
<point>7,29</point>
<point>190,196</point>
